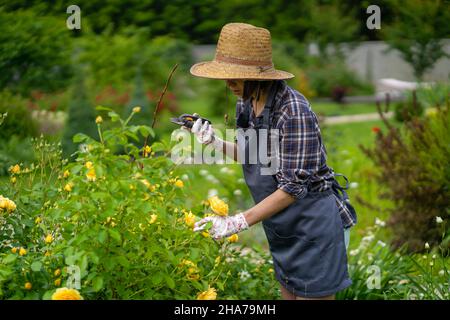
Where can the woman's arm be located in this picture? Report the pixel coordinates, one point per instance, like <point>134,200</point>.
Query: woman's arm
<point>271,205</point>
<point>228,148</point>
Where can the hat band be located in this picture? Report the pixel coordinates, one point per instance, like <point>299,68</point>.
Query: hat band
<point>222,58</point>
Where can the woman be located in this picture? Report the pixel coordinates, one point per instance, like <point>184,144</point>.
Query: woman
<point>302,212</point>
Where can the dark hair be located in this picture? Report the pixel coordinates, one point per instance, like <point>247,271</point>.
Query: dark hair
<point>255,86</point>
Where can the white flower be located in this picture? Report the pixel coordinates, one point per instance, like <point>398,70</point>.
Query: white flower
<point>354,252</point>
<point>427,245</point>
<point>203,172</point>
<point>439,220</point>
<point>344,152</point>
<point>380,223</point>
<point>431,263</point>
<point>212,193</point>
<point>211,178</point>
<point>244,275</point>
<point>368,239</point>
<point>354,185</point>
<point>237,192</point>
<point>224,170</point>
<point>441,272</point>
<point>381,243</point>
<point>404,281</point>
<point>185,177</point>
<point>433,256</point>
<point>348,161</point>
<point>241,180</point>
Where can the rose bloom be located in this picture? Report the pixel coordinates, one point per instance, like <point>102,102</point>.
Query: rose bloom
<point>179,184</point>
<point>233,238</point>
<point>189,219</point>
<point>218,206</point>
<point>210,294</point>
<point>66,294</point>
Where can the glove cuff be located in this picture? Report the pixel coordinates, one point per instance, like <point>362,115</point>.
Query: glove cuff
<point>216,143</point>
<point>241,222</point>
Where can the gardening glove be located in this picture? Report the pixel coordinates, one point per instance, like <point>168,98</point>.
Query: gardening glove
<point>205,134</point>
<point>223,226</point>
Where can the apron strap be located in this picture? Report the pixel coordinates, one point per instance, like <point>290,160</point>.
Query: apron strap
<point>270,102</point>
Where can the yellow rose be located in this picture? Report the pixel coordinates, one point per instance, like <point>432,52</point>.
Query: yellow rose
<point>217,260</point>
<point>98,120</point>
<point>89,165</point>
<point>13,180</point>
<point>68,187</point>
<point>153,218</point>
<point>66,294</point>
<point>6,204</point>
<point>22,252</point>
<point>38,220</point>
<point>66,173</point>
<point>91,176</point>
<point>15,169</point>
<point>218,206</point>
<point>179,184</point>
<point>147,151</point>
<point>49,239</point>
<point>14,250</point>
<point>58,282</point>
<point>57,272</point>
<point>205,234</point>
<point>137,109</point>
<point>194,276</point>
<point>233,238</point>
<point>189,219</point>
<point>210,294</point>
<point>28,286</point>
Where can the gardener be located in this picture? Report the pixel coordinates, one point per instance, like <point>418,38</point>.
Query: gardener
<point>301,207</point>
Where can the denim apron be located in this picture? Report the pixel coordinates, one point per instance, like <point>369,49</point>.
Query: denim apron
<point>306,239</point>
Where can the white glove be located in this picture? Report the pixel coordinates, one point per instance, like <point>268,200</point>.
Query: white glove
<point>223,226</point>
<point>205,134</point>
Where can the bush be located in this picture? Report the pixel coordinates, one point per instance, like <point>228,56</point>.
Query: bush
<point>406,110</point>
<point>121,221</point>
<point>18,121</point>
<point>413,164</point>
<point>334,79</point>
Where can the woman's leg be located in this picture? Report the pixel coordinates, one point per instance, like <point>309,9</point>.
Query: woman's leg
<point>320,298</point>
<point>287,295</point>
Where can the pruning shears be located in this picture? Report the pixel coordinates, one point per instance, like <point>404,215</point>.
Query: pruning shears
<point>187,120</point>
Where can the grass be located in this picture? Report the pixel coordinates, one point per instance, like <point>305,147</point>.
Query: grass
<point>335,109</point>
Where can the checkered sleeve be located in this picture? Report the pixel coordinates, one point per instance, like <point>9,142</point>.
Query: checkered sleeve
<point>300,153</point>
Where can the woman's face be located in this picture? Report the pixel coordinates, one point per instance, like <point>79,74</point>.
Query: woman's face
<point>236,86</point>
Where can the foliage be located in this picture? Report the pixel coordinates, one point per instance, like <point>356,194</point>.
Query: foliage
<point>18,121</point>
<point>122,222</point>
<point>413,164</point>
<point>411,107</point>
<point>326,78</point>
<point>80,116</point>
<point>420,45</point>
<point>35,52</point>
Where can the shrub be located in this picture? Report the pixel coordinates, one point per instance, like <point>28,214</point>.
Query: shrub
<point>18,121</point>
<point>334,76</point>
<point>406,110</point>
<point>413,164</point>
<point>121,221</point>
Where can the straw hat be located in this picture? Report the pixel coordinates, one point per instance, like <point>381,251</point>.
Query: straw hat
<point>243,52</point>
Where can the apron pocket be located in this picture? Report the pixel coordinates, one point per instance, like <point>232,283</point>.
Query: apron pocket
<point>296,259</point>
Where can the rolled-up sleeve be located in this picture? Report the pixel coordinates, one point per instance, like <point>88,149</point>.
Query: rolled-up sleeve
<point>300,153</point>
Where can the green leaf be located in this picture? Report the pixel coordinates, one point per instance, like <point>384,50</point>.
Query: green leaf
<point>115,235</point>
<point>36,266</point>
<point>157,278</point>
<point>97,284</point>
<point>80,137</point>
<point>102,108</point>
<point>9,258</point>
<point>102,236</point>
<point>114,116</point>
<point>169,281</point>
<point>123,261</point>
<point>48,295</point>
<point>146,130</point>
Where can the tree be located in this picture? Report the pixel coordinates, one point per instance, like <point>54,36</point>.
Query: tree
<point>34,52</point>
<point>80,116</point>
<point>417,32</point>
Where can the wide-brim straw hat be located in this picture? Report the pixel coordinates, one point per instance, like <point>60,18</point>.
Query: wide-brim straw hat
<point>243,52</point>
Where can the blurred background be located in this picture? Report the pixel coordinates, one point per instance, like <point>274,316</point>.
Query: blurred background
<point>52,78</point>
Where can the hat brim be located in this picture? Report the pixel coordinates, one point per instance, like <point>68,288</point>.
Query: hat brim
<point>223,71</point>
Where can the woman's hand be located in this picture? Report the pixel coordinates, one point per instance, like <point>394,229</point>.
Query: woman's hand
<point>205,133</point>
<point>223,226</point>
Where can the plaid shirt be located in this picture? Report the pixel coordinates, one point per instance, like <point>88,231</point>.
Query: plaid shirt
<point>302,155</point>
